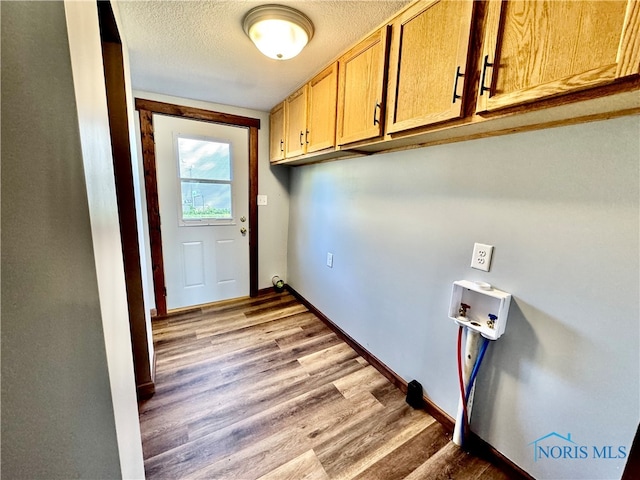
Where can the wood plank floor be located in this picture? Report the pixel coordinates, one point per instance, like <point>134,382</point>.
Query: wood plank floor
<point>261,388</point>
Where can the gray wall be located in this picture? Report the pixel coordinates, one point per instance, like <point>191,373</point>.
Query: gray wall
<point>57,416</point>
<point>68,394</point>
<point>561,208</point>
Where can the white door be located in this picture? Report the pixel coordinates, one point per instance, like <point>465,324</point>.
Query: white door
<point>202,171</point>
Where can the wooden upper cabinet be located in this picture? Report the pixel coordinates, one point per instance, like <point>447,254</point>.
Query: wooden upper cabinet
<point>276,133</point>
<point>427,63</point>
<point>323,92</point>
<point>536,49</point>
<point>361,89</point>
<point>402,84</point>
<point>296,123</point>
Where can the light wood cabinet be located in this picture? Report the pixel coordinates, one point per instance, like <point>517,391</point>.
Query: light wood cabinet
<point>310,115</point>
<point>296,123</point>
<point>323,92</point>
<point>521,64</point>
<point>428,63</point>
<point>536,49</point>
<point>361,89</point>
<point>276,133</point>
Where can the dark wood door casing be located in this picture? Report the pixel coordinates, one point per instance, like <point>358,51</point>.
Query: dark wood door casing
<point>115,86</point>
<point>146,109</point>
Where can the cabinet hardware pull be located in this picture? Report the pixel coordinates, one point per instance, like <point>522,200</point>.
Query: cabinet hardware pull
<point>484,73</point>
<point>301,135</point>
<point>306,137</point>
<point>455,85</point>
<point>375,114</point>
<point>281,145</point>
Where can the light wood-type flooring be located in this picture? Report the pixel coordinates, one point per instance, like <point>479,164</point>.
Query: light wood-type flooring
<point>261,388</point>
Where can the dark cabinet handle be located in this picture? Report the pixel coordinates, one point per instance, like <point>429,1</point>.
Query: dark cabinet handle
<point>306,137</point>
<point>375,114</point>
<point>455,85</point>
<point>301,135</point>
<point>281,145</point>
<point>484,74</point>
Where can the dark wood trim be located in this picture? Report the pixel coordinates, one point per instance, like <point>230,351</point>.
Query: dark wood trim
<point>482,449</point>
<point>145,391</point>
<point>253,211</point>
<point>153,209</point>
<point>196,113</point>
<point>113,63</point>
<point>474,444</point>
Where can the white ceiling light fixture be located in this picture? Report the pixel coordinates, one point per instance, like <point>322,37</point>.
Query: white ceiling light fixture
<point>278,31</point>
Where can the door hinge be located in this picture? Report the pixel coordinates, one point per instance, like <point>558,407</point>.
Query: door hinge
<point>164,291</point>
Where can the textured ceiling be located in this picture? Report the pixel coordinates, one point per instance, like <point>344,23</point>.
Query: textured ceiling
<point>198,50</point>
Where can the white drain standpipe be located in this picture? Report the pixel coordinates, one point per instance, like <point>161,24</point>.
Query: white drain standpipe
<point>471,350</point>
<point>480,311</point>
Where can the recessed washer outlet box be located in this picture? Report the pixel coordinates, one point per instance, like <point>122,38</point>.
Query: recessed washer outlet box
<point>480,307</point>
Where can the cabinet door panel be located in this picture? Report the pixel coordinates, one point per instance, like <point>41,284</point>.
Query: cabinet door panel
<point>361,88</point>
<point>323,92</point>
<point>630,43</point>
<point>296,123</point>
<point>537,49</point>
<point>276,133</point>
<point>428,61</point>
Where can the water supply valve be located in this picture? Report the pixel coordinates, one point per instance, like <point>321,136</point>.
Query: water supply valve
<point>480,307</point>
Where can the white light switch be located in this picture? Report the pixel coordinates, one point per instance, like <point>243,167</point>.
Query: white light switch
<point>481,259</point>
<point>330,260</point>
<point>262,199</point>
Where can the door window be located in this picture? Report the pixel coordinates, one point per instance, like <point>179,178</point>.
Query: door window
<point>205,175</point>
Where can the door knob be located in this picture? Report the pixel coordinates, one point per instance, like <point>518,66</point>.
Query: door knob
<point>243,231</point>
<point>243,219</point>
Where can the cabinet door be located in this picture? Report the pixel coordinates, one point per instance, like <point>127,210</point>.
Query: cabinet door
<point>296,123</point>
<point>537,49</point>
<point>427,65</point>
<point>323,92</point>
<point>276,133</point>
<point>361,89</point>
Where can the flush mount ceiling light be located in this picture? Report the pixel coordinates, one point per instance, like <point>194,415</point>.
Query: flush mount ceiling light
<point>278,31</point>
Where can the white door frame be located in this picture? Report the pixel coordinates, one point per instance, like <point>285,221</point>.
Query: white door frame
<point>146,109</point>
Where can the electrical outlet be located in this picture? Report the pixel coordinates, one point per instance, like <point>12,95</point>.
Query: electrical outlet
<point>481,259</point>
<point>330,260</point>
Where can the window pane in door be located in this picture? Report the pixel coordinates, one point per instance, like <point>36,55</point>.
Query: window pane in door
<point>205,200</point>
<point>204,159</point>
<point>205,179</point>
